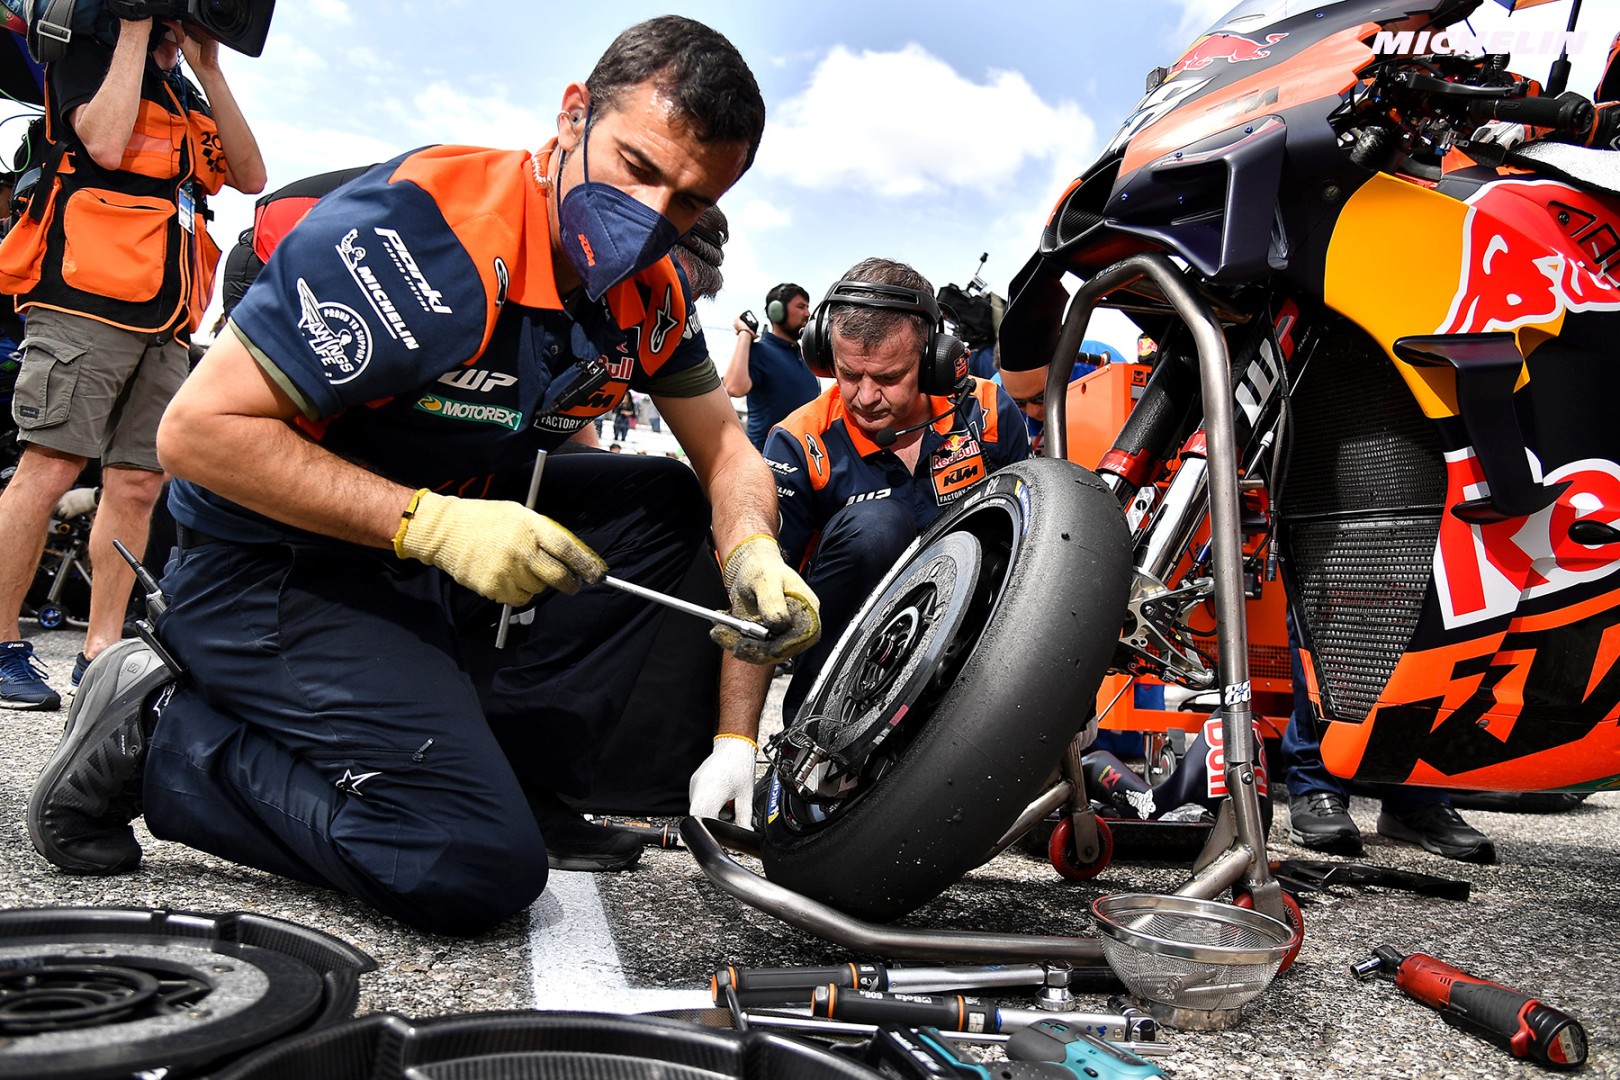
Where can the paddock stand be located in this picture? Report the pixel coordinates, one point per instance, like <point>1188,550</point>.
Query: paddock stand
<point>1234,856</point>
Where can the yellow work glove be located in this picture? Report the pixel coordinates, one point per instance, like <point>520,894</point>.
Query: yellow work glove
<point>764,590</point>
<point>497,549</point>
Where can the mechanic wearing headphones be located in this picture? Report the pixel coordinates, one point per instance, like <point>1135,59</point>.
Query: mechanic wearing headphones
<point>352,460</point>
<point>902,435</point>
<point>769,370</point>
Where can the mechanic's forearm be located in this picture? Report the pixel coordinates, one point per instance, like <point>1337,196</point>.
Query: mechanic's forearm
<point>743,494</point>
<point>743,689</point>
<point>266,465</point>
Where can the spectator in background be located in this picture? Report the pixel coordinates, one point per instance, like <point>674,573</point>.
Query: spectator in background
<point>125,128</point>
<point>623,413</point>
<point>768,369</point>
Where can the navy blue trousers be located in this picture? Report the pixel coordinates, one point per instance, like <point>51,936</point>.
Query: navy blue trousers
<point>858,545</point>
<point>346,720</point>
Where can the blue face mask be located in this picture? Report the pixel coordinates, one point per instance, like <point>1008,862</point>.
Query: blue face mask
<point>608,235</point>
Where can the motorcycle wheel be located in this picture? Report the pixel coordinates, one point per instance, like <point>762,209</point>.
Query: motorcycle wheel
<point>949,698</point>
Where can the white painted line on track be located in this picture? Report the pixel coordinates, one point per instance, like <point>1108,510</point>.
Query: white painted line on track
<point>574,962</point>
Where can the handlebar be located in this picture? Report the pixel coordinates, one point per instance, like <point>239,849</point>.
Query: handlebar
<point>1568,111</point>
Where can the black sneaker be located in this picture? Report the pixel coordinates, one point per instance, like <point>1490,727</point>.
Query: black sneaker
<point>572,843</point>
<point>81,663</point>
<point>1440,829</point>
<point>89,791</point>
<point>22,679</point>
<point>1320,820</point>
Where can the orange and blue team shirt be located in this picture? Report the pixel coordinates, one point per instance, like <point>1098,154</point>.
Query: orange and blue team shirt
<point>823,462</point>
<point>413,317</point>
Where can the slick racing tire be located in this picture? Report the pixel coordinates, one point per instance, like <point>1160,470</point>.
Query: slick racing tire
<point>951,696</point>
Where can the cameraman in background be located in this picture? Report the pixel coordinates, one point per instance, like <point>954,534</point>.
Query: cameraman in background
<point>107,337</point>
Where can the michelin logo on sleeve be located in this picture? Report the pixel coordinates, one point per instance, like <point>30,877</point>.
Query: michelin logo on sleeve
<point>336,334</point>
<point>354,260</point>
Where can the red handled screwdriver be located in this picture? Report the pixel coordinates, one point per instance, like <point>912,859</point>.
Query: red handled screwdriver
<point>1523,1026</point>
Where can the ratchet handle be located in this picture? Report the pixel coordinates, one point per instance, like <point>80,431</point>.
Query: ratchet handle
<point>951,1012</point>
<point>775,986</point>
<point>1522,1025</point>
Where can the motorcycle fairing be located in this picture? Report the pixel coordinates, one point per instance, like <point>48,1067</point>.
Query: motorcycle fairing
<point>1509,679</point>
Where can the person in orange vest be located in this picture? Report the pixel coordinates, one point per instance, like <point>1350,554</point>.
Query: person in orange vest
<point>134,148</point>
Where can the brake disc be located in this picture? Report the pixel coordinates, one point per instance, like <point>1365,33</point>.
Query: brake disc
<point>882,670</point>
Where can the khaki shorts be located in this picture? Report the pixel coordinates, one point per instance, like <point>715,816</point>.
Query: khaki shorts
<point>93,390</point>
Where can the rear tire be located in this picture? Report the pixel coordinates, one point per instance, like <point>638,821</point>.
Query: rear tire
<point>960,731</point>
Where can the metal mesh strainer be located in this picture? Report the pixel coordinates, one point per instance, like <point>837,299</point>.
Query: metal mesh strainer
<point>1192,962</point>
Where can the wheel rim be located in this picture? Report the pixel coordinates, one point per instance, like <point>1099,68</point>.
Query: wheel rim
<point>887,674</point>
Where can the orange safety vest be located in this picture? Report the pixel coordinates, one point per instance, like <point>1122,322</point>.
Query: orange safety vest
<point>110,244</point>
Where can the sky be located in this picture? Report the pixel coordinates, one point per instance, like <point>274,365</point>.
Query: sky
<point>929,132</point>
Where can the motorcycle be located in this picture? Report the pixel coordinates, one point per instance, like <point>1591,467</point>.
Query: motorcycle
<point>1382,324</point>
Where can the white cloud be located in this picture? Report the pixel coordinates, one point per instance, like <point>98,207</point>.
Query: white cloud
<point>439,112</point>
<point>333,11</point>
<point>905,123</point>
<point>757,215</point>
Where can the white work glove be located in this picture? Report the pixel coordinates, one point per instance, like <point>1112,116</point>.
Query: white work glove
<point>725,777</point>
<point>498,549</point>
<point>764,589</point>
<point>77,501</point>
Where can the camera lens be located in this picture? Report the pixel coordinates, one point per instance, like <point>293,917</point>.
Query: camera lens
<point>226,18</point>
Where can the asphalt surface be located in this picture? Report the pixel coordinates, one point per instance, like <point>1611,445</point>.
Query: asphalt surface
<point>1542,921</point>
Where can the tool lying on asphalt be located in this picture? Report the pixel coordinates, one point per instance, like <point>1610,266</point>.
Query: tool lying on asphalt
<point>659,836</point>
<point>155,605</point>
<point>771,986</point>
<point>926,1054</point>
<point>1520,1024</point>
<point>1303,876</point>
<point>534,493</point>
<point>1055,1039</point>
<point>957,1013</point>
<point>742,626</point>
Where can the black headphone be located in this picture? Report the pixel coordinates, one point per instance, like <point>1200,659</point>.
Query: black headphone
<point>777,300</point>
<point>943,368</point>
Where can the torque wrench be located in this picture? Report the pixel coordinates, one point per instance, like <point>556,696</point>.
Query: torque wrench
<point>957,1013</point>
<point>742,626</point>
<point>817,1028</point>
<point>1518,1023</point>
<point>534,493</point>
<point>769,986</point>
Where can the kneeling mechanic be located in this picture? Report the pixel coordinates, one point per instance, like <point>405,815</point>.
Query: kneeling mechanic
<point>352,458</point>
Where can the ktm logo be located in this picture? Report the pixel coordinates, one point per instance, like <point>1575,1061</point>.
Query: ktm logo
<point>585,245</point>
<point>957,476</point>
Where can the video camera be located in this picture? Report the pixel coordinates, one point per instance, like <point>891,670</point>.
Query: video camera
<point>240,24</point>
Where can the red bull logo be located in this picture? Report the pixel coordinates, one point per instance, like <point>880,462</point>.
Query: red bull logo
<point>1485,571</point>
<point>1520,266</point>
<point>1233,48</point>
<point>955,448</point>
